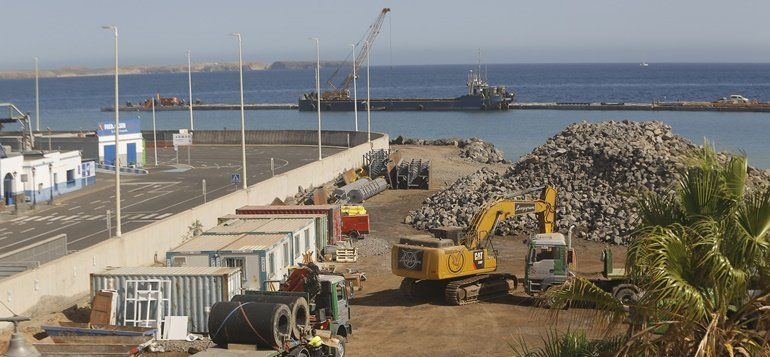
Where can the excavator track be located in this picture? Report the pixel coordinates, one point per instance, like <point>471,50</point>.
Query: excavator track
<point>473,289</point>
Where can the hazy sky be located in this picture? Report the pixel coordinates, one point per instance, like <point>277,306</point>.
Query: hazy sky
<point>68,33</point>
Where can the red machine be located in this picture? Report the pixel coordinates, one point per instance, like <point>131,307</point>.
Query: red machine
<point>355,226</point>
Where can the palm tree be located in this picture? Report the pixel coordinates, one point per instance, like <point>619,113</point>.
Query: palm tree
<point>701,255</point>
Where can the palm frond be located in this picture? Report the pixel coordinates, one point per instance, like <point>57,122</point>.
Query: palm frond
<point>580,292</point>
<point>735,173</point>
<point>754,215</point>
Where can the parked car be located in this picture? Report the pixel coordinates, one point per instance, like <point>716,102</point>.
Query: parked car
<point>735,99</point>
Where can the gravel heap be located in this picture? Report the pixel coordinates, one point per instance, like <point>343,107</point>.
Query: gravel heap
<point>370,246</point>
<point>473,148</point>
<point>596,167</point>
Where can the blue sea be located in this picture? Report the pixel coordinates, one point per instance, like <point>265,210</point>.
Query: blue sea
<point>73,103</point>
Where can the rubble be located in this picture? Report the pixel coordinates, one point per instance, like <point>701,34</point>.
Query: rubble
<point>597,168</point>
<point>473,148</point>
<point>370,246</point>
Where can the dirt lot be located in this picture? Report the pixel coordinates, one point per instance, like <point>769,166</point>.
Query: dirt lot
<point>386,324</point>
<point>391,325</point>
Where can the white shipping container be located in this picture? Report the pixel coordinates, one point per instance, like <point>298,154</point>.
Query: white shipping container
<point>193,289</point>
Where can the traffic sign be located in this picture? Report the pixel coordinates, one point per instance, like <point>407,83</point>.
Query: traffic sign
<point>183,139</point>
<point>235,178</point>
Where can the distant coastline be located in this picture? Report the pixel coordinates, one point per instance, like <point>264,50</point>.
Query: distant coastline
<point>196,67</point>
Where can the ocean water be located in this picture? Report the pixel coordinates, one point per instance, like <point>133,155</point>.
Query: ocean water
<point>73,103</point>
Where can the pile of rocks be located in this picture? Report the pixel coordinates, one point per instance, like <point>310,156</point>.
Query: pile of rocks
<point>370,246</point>
<point>473,148</point>
<point>597,169</point>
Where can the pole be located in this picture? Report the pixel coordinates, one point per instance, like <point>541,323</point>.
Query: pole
<point>49,138</point>
<point>117,137</point>
<point>37,96</point>
<point>272,166</point>
<point>203,183</point>
<point>50,177</point>
<point>368,98</point>
<point>243,116</point>
<point>154,134</point>
<point>318,90</point>
<point>109,224</point>
<point>355,89</point>
<point>189,90</point>
<point>188,155</point>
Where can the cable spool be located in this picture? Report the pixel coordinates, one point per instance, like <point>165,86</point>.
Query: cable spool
<point>300,310</point>
<point>261,324</point>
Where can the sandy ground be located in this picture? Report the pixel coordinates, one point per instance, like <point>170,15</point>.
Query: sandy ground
<point>386,323</point>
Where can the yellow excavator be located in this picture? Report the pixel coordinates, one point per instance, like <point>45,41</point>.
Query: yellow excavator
<point>462,264</point>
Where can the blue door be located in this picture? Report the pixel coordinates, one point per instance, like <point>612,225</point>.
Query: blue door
<point>8,184</point>
<point>109,154</point>
<point>131,154</point>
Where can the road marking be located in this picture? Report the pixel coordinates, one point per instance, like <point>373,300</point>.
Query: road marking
<point>2,229</point>
<point>70,209</point>
<point>149,216</point>
<point>21,219</point>
<point>94,217</point>
<point>134,216</point>
<point>139,195</point>
<point>100,207</point>
<point>26,230</point>
<point>163,215</point>
<point>69,218</point>
<point>54,218</point>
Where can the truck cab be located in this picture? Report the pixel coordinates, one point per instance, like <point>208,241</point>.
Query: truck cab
<point>333,303</point>
<point>547,262</point>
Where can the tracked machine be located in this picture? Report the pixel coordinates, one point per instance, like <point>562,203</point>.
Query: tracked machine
<point>464,265</point>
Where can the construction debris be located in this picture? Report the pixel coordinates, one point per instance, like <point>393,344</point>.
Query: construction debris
<point>597,168</point>
<point>472,148</point>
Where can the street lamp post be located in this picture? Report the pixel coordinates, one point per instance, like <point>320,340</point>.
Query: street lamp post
<point>318,90</point>
<point>154,134</point>
<point>117,136</point>
<point>34,188</point>
<point>368,98</point>
<point>53,183</point>
<point>243,116</point>
<point>355,89</point>
<point>37,96</point>
<point>189,90</point>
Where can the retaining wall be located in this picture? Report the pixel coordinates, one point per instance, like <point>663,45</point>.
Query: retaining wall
<point>265,137</point>
<point>68,277</point>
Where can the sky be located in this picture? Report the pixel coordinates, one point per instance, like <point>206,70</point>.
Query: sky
<point>68,33</point>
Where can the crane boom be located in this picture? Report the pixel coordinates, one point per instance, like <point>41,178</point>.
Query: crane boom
<point>486,219</point>
<point>342,90</point>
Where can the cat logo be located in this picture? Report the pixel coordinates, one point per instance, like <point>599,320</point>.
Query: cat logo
<point>478,259</point>
<point>455,262</point>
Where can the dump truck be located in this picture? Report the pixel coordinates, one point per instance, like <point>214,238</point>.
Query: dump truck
<point>549,263</point>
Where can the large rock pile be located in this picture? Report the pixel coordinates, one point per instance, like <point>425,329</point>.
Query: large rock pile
<point>597,169</point>
<point>473,148</point>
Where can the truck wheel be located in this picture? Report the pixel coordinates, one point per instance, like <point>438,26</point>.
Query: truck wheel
<point>408,287</point>
<point>354,234</point>
<point>299,352</point>
<point>340,351</point>
<point>626,293</point>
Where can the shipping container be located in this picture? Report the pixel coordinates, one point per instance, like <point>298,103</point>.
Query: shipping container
<point>321,223</point>
<point>332,211</point>
<point>189,291</point>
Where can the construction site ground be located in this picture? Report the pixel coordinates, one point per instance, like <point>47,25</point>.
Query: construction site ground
<point>390,325</point>
<point>386,324</point>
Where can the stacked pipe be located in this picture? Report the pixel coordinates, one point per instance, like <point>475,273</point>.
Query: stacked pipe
<point>367,190</point>
<point>341,193</point>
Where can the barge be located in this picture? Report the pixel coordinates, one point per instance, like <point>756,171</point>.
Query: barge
<point>480,96</point>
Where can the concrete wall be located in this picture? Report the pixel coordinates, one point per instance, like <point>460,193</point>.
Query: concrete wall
<point>68,277</point>
<point>265,137</point>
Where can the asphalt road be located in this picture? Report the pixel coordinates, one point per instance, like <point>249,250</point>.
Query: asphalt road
<point>169,188</point>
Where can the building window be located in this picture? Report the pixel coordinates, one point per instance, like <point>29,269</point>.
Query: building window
<point>237,263</point>
<point>71,177</point>
<point>307,238</point>
<point>178,261</point>
<point>285,254</point>
<point>296,245</point>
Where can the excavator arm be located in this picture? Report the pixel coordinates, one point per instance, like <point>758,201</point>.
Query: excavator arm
<point>486,219</point>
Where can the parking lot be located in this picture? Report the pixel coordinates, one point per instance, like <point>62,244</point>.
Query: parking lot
<point>169,188</point>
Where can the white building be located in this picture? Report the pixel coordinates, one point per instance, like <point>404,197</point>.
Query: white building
<point>42,175</point>
<point>263,248</point>
<point>131,145</point>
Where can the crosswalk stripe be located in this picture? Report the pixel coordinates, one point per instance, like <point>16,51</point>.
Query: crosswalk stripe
<point>135,216</point>
<point>20,219</point>
<point>163,215</point>
<point>55,218</point>
<point>149,216</point>
<point>94,217</point>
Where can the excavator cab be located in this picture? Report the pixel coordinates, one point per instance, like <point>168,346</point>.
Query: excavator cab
<point>547,262</point>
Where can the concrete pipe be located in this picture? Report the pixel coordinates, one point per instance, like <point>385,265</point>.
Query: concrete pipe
<point>300,310</point>
<point>260,324</point>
